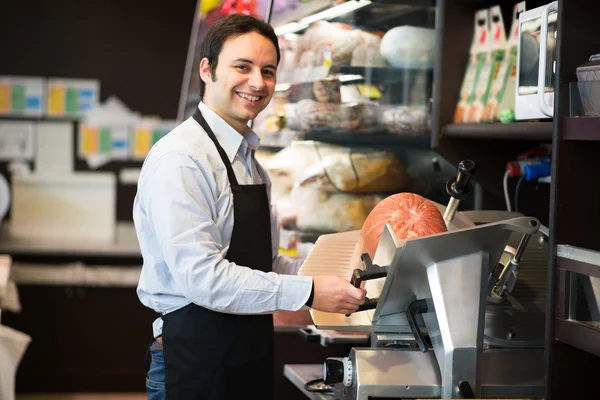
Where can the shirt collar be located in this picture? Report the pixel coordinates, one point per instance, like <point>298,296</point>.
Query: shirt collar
<point>229,139</point>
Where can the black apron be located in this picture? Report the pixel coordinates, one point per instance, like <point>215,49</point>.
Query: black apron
<point>212,355</point>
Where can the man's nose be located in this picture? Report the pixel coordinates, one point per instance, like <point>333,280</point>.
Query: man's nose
<point>256,80</point>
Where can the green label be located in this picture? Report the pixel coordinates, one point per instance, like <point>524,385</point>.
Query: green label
<point>479,66</point>
<point>156,135</point>
<point>18,98</point>
<point>105,140</point>
<point>72,100</point>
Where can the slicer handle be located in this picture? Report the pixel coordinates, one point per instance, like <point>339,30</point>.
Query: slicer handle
<point>417,306</point>
<point>371,271</point>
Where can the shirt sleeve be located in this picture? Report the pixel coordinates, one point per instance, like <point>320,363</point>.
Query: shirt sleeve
<point>182,209</point>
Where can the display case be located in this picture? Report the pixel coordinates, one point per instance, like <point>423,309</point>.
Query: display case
<point>352,71</point>
<point>349,122</point>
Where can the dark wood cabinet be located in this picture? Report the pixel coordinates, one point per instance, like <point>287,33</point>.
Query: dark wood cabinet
<point>568,205</point>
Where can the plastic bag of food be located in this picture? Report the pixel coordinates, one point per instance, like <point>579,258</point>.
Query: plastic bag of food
<point>326,212</point>
<point>317,116</point>
<point>406,120</point>
<point>356,170</point>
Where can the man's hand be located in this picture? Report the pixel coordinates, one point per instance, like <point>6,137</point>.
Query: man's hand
<point>336,295</point>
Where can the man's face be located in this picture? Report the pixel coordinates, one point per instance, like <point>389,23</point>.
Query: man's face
<point>244,79</point>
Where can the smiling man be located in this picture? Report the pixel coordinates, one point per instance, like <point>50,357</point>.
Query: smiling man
<point>209,239</point>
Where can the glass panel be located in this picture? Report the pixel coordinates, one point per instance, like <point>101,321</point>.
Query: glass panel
<point>528,57</point>
<point>354,67</point>
<point>584,299</point>
<point>551,58</point>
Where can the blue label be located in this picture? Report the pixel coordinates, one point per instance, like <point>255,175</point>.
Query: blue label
<point>33,103</point>
<point>119,144</point>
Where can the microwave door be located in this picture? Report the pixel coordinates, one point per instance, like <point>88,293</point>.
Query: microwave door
<point>547,60</point>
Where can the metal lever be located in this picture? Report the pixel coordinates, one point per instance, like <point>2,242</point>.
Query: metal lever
<point>458,188</point>
<point>371,271</point>
<point>509,275</point>
<point>414,308</point>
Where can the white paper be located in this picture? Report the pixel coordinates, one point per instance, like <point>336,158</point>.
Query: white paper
<point>16,140</point>
<point>54,147</point>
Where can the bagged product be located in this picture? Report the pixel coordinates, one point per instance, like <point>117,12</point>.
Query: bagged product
<point>477,56</point>
<point>356,171</point>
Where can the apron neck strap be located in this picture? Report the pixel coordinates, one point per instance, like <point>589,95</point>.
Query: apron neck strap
<point>200,119</point>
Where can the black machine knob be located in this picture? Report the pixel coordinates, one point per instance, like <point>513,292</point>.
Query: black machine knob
<point>459,187</point>
<point>337,370</point>
<point>333,371</point>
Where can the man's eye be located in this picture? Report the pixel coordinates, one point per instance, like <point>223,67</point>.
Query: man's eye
<point>268,72</point>
<point>241,67</point>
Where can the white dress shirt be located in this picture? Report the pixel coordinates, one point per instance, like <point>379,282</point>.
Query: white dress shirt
<point>183,215</point>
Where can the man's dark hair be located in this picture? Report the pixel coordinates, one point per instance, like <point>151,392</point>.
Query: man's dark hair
<point>228,27</point>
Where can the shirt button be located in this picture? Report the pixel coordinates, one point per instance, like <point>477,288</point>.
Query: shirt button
<point>294,305</point>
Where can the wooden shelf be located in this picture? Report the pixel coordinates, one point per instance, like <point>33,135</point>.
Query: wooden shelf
<point>512,131</point>
<point>581,128</point>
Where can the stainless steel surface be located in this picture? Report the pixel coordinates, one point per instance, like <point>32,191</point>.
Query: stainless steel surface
<point>300,374</point>
<point>578,254</point>
<point>513,373</point>
<point>392,373</point>
<point>407,279</point>
<point>469,336</point>
<point>450,211</point>
<point>456,327</point>
<point>412,374</point>
<point>514,329</point>
<point>337,254</point>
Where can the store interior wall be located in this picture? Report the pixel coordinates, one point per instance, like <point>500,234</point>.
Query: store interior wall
<point>136,49</point>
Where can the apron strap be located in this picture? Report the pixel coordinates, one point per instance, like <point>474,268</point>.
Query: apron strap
<point>200,119</point>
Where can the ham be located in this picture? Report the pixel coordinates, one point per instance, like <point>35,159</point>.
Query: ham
<point>409,215</point>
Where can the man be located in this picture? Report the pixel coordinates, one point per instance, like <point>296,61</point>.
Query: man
<point>209,242</point>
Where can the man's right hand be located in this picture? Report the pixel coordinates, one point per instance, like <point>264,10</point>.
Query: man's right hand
<point>336,295</point>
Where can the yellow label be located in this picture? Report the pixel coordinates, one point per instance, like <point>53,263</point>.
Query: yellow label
<point>142,142</point>
<point>369,91</point>
<point>56,100</point>
<point>89,140</point>
<point>289,252</point>
<point>4,98</point>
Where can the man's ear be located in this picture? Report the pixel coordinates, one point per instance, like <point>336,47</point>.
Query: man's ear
<point>205,70</point>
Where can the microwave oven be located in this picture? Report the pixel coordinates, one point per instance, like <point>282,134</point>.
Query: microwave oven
<point>536,63</point>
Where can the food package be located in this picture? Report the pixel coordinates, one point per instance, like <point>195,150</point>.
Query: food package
<point>495,45</point>
<point>406,120</point>
<point>356,171</point>
<point>327,91</point>
<point>285,167</point>
<point>409,47</point>
<point>317,116</point>
<point>501,103</point>
<point>367,55</point>
<point>338,38</point>
<point>477,55</point>
<point>327,212</point>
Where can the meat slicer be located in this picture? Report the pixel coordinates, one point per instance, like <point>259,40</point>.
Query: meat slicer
<point>446,315</point>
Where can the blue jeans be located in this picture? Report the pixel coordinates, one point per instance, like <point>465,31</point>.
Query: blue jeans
<point>155,381</point>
